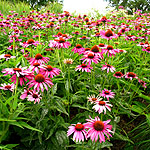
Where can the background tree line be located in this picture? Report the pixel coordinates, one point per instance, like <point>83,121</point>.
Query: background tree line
<point>143,5</point>
<point>36,4</point>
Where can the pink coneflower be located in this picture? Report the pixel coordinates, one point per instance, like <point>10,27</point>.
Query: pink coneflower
<point>84,38</point>
<point>97,129</point>
<point>78,49</point>
<point>108,68</point>
<point>142,83</point>
<point>142,44</point>
<point>101,106</point>
<point>78,130</point>
<point>102,45</point>
<point>35,67</point>
<point>108,34</point>
<point>131,75</point>
<point>110,50</point>
<point>39,59</point>
<point>95,50</point>
<point>118,74</point>
<point>6,56</point>
<point>61,43</point>
<point>90,57</point>
<point>104,19</point>
<point>39,82</point>
<point>18,71</point>
<point>68,61</point>
<point>11,47</point>
<point>34,96</point>
<point>49,71</point>
<point>22,78</point>
<point>93,98</point>
<point>107,94</point>
<point>30,42</point>
<point>8,86</point>
<point>26,93</point>
<point>84,67</point>
<point>147,49</point>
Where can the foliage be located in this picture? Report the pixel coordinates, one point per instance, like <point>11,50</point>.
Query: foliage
<point>18,7</point>
<point>44,125</point>
<point>131,5</point>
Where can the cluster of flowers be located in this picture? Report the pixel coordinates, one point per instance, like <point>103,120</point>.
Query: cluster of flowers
<point>94,128</point>
<point>38,76</point>
<point>130,75</point>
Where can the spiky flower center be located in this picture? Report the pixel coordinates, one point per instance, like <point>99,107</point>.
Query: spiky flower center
<point>16,31</point>
<point>49,67</point>
<point>51,24</point>
<point>123,30</point>
<point>79,127</point>
<point>30,41</point>
<point>101,45</point>
<point>78,46</point>
<point>131,74</point>
<point>87,49</point>
<point>76,32</point>
<point>98,125</point>
<point>83,37</point>
<point>86,19</point>
<point>102,103</point>
<point>148,48</point>
<point>108,33</point>
<point>90,55</point>
<point>61,40</point>
<point>109,66</point>
<point>118,74</point>
<point>104,18</point>
<point>35,96</point>
<point>98,34</point>
<point>65,35</point>
<point>107,92</point>
<point>59,34</point>
<point>36,64</point>
<point>38,56</point>
<point>39,78</point>
<point>83,65</point>
<point>94,99</point>
<point>95,49</point>
<point>7,86</point>
<point>7,55</point>
<point>109,47</point>
<point>88,23</point>
<point>17,69</point>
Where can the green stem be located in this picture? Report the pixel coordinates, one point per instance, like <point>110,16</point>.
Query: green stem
<point>68,93</point>
<point>13,47</point>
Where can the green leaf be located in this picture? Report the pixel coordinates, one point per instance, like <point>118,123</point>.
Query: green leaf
<point>62,138</point>
<point>5,119</point>
<point>8,101</point>
<point>122,137</point>
<point>144,96</point>
<point>50,133</point>
<point>11,145</point>
<point>54,88</point>
<point>24,124</point>
<point>137,109</point>
<point>106,144</point>
<point>16,124</point>
<point>15,102</point>
<point>82,107</point>
<point>60,107</point>
<point>148,118</point>
<point>4,148</point>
